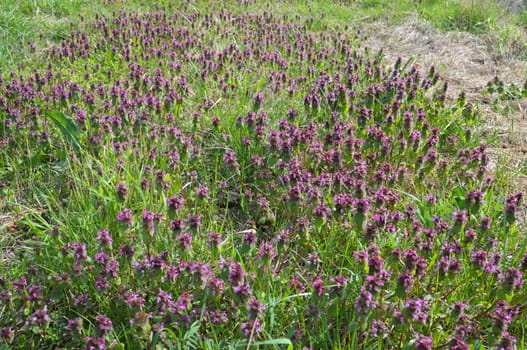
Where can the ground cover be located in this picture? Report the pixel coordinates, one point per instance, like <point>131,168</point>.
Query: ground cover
<point>249,176</point>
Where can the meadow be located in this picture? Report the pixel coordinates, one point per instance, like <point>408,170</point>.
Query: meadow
<point>247,175</point>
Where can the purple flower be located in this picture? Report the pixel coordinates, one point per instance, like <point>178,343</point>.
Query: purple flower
<point>364,301</point>
<point>175,202</point>
<point>266,251</point>
<point>318,286</point>
<point>417,309</point>
<point>165,302</point>
<point>251,327</point>
<point>35,292</point>
<point>185,240</point>
<point>458,344</point>
<point>126,216</point>
<point>258,99</point>
<point>249,237</point>
<point>135,300</point>
<point>254,307</point>
<point>40,317</point>
<point>79,250</point>
<point>236,274</point>
<point>242,291</point>
<point>203,191</point>
<point>405,280</point>
<point>127,250</point>
<point>511,203</point>
<point>122,190</point>
<point>512,279</point>
<point>7,334</point>
<point>104,238</point>
<point>506,342</point>
<point>184,301</point>
<point>194,221</point>
<point>378,328</point>
<point>423,342</point>
<point>459,217</point>
<point>214,239</point>
<point>95,343</point>
<point>229,158</point>
<point>74,325</point>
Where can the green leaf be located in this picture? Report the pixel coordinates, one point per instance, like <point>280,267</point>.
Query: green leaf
<point>278,341</point>
<point>69,129</point>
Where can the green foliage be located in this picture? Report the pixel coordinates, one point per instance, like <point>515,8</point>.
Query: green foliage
<point>262,149</point>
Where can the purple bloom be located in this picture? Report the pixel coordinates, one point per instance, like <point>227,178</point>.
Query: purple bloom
<point>512,279</point>
<point>458,344</point>
<point>135,300</point>
<point>74,325</point>
<point>127,250</point>
<point>423,342</point>
<point>175,202</point>
<point>318,286</point>
<point>104,238</point>
<point>185,240</point>
<point>35,292</point>
<point>184,301</point>
<point>417,309</point>
<point>506,342</point>
<point>255,307</point>
<point>7,334</point>
<point>194,221</point>
<point>251,327</point>
<point>249,237</point>
<point>214,239</point>
<point>266,251</point>
<point>236,274</point>
<point>40,317</point>
<point>230,159</point>
<point>122,190</point>
<point>364,301</point>
<point>242,291</point>
<point>95,343</point>
<point>512,202</point>
<point>79,250</point>
<point>126,216</point>
<point>203,191</point>
<point>459,217</point>
<point>165,302</point>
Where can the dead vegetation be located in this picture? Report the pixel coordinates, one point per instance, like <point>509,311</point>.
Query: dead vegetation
<point>468,62</point>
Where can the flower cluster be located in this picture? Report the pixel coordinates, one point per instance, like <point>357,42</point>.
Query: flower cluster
<point>241,176</point>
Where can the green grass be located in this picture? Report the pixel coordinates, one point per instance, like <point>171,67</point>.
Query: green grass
<point>46,22</point>
<point>383,129</point>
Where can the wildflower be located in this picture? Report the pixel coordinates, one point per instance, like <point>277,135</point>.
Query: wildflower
<point>135,300</point>
<point>506,342</point>
<point>255,307</point>
<point>512,279</point>
<point>95,343</point>
<point>7,334</point>
<point>364,301</point>
<point>104,238</point>
<point>126,216</point>
<point>318,286</point>
<point>423,342</point>
<point>266,251</point>
<point>185,240</point>
<point>122,190</point>
<point>40,317</point>
<point>242,291</point>
<point>251,327</point>
<point>175,202</point>
<point>457,343</point>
